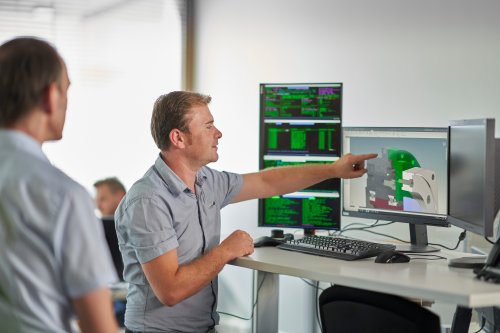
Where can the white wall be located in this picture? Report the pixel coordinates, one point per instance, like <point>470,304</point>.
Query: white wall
<point>403,63</point>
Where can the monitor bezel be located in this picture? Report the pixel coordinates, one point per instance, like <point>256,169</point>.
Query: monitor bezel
<point>440,220</point>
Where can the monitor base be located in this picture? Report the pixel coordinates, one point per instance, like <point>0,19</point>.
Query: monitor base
<point>418,241</point>
<point>412,248</point>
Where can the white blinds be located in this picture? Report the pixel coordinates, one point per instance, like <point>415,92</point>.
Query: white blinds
<point>121,55</point>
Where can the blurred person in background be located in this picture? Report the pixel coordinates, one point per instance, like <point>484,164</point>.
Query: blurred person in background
<point>108,194</point>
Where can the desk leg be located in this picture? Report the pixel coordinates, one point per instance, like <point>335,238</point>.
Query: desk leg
<point>461,320</point>
<point>266,292</point>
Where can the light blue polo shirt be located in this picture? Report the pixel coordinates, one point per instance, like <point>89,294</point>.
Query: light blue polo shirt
<point>52,246</point>
<point>158,214</point>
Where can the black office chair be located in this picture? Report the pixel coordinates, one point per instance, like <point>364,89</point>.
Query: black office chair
<point>348,310</point>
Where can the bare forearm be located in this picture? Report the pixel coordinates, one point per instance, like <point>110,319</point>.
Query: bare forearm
<point>173,283</point>
<point>192,277</point>
<point>95,312</point>
<point>277,181</point>
<point>281,180</point>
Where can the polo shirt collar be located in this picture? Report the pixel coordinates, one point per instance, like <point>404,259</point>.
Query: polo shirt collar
<point>174,183</point>
<point>23,142</point>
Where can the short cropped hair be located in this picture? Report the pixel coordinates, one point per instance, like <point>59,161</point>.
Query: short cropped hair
<point>28,66</point>
<point>113,183</point>
<point>171,111</point>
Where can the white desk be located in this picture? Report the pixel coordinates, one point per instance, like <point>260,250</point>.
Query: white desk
<point>421,279</point>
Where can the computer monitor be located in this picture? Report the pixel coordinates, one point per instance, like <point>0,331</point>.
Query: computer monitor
<point>474,180</point>
<point>301,123</point>
<point>407,182</point>
<point>474,175</point>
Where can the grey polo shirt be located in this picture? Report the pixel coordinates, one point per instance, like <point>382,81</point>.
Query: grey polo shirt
<point>158,214</point>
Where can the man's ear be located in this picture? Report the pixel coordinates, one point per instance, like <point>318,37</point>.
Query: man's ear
<point>50,98</point>
<point>177,138</point>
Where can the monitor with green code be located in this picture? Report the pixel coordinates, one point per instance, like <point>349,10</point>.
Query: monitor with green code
<point>301,123</point>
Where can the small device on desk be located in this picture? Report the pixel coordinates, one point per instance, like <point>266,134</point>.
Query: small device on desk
<point>266,241</point>
<point>277,237</point>
<point>467,262</point>
<point>336,247</point>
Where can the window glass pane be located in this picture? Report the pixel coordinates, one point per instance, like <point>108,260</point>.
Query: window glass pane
<point>121,55</point>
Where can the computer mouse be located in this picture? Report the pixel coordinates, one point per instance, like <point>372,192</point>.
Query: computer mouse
<point>391,257</point>
<point>266,241</point>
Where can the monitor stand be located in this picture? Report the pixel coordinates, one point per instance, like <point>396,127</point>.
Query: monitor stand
<point>419,242</point>
<point>309,232</point>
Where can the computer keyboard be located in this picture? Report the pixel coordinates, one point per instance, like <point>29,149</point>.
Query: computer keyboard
<point>336,247</point>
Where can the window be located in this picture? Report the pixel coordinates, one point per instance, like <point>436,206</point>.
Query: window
<point>121,55</point>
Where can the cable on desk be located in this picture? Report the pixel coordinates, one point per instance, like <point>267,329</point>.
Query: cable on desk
<point>461,237</point>
<point>386,235</point>
<point>311,284</point>
<point>483,322</point>
<point>489,241</point>
<point>377,233</point>
<point>363,226</point>
<point>317,306</point>
<point>350,227</point>
<point>253,306</point>
<point>295,232</point>
<point>424,256</point>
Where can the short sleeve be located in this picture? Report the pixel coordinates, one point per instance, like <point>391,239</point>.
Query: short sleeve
<point>226,185</point>
<point>80,246</point>
<point>149,228</point>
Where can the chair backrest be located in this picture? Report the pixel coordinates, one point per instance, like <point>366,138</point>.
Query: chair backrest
<point>114,249</point>
<point>349,310</point>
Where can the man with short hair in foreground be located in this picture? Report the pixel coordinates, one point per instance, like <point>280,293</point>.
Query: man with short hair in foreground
<point>53,259</point>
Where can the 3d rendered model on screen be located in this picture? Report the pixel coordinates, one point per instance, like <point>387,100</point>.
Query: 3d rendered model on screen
<point>397,182</point>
